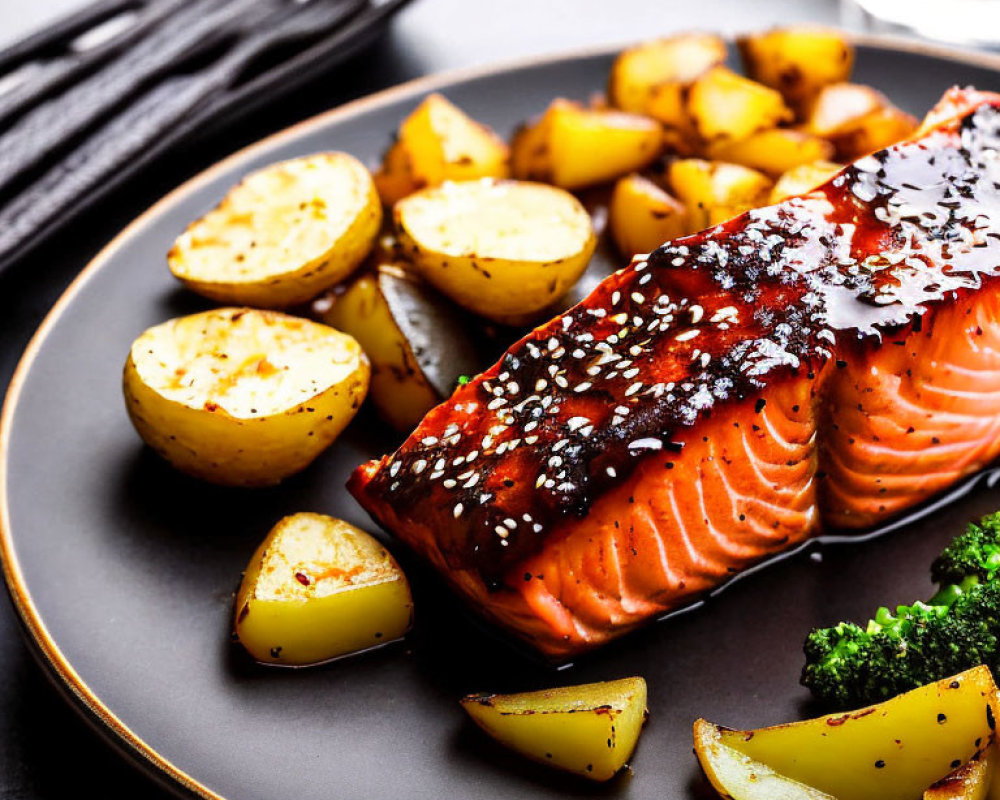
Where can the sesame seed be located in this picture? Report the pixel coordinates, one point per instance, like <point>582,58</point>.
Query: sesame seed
<point>611,472</point>
<point>615,297</point>
<point>561,382</point>
<point>501,531</point>
<point>638,297</point>
<point>635,387</point>
<point>394,469</point>
<point>449,483</point>
<point>540,384</point>
<point>457,510</point>
<point>496,403</point>
<point>575,423</point>
<point>510,523</point>
<point>429,441</point>
<point>635,350</point>
<point>578,353</point>
<point>418,466</point>
<point>582,387</point>
<point>471,482</point>
<point>697,312</point>
<point>620,319</point>
<point>687,335</point>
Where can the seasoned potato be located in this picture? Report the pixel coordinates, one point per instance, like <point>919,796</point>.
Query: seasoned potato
<point>838,107</point>
<point>803,179</point>
<point>590,730</point>
<point>318,588</point>
<point>243,397</point>
<point>773,151</point>
<point>668,105</point>
<point>971,781</point>
<point>283,235</point>
<point>890,751</point>
<point>642,216</point>
<point>438,142</point>
<point>417,342</point>
<point>677,60</point>
<point>737,776</point>
<point>725,105</point>
<point>874,131</point>
<point>798,62</point>
<point>572,146</point>
<point>503,249</point>
<point>714,192</point>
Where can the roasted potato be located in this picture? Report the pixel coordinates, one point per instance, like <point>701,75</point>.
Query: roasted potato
<point>971,781</point>
<point>642,216</point>
<point>573,147</point>
<point>714,192</point>
<point>283,235</point>
<point>438,142</point>
<point>798,62</point>
<point>417,342</point>
<point>243,397</point>
<point>318,588</point>
<point>724,105</point>
<point>875,131</point>
<point>677,61</point>
<point>773,151</point>
<point>803,179</point>
<point>668,105</point>
<point>502,249</point>
<point>837,108</point>
<point>590,730</point>
<point>890,751</point>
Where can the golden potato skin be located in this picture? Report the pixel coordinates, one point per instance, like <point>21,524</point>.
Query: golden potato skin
<point>283,234</point>
<point>890,751</point>
<point>677,60</point>
<point>971,781</point>
<point>318,588</point>
<point>714,191</point>
<point>398,387</point>
<point>798,62</point>
<point>242,397</point>
<point>803,179</point>
<point>590,730</point>
<point>837,107</point>
<point>503,249</point>
<point>725,105</point>
<point>573,147</point>
<point>642,216</point>
<point>773,151</point>
<point>874,131</point>
<point>438,142</point>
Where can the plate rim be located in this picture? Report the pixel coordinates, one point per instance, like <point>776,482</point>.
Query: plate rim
<point>47,651</point>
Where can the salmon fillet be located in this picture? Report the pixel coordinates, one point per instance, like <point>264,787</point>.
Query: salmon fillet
<point>823,363</point>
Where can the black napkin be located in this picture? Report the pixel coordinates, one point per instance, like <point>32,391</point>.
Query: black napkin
<point>96,97</point>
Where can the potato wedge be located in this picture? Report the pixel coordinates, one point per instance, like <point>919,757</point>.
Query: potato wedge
<point>803,179</point>
<point>502,249</point>
<point>798,62</point>
<point>318,588</point>
<point>890,751</point>
<point>243,397</point>
<point>573,147</point>
<point>971,781</point>
<point>773,151</point>
<point>677,60</point>
<point>838,107</point>
<point>590,730</point>
<point>725,105</point>
<point>283,235</point>
<point>714,192</point>
<point>642,216</point>
<point>737,776</point>
<point>439,142</point>
<point>417,342</point>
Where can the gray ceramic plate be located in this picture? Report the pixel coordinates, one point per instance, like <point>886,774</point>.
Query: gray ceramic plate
<point>123,571</point>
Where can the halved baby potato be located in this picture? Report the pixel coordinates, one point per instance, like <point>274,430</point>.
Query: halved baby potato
<point>714,191</point>
<point>282,235</point>
<point>590,730</point>
<point>798,62</point>
<point>318,588</point>
<point>642,216</point>
<point>773,151</point>
<point>573,147</point>
<point>890,751</point>
<point>676,60</point>
<point>803,179</point>
<point>439,142</point>
<point>243,397</point>
<point>503,249</point>
<point>725,105</point>
<point>416,340</point>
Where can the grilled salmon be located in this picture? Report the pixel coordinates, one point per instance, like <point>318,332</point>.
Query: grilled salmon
<point>823,363</point>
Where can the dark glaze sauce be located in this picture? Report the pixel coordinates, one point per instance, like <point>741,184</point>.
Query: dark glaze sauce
<point>703,322</point>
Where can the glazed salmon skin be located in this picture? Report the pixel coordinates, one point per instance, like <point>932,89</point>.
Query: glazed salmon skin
<point>824,363</point>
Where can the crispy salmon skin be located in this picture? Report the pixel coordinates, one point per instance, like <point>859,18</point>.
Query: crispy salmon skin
<point>825,362</point>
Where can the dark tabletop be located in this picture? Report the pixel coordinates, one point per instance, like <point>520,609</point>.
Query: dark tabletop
<point>46,751</point>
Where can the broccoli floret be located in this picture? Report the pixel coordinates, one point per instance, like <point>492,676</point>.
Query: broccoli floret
<point>958,628</point>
